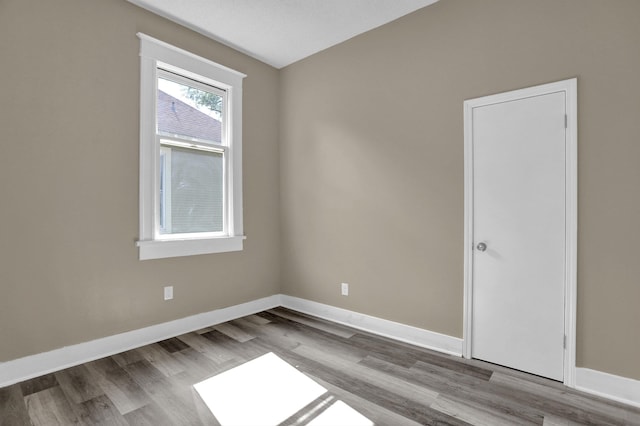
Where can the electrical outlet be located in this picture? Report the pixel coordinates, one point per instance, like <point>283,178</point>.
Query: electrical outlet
<point>345,289</point>
<point>168,292</point>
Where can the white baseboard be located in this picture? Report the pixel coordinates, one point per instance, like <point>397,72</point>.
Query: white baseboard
<point>617,388</point>
<point>405,333</point>
<point>20,369</point>
<point>606,385</point>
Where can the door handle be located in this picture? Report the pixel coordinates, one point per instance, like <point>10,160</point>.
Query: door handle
<point>481,246</point>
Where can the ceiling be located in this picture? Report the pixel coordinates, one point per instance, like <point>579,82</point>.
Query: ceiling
<point>280,32</point>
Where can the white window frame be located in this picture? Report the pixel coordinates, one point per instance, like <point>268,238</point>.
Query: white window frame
<point>156,55</point>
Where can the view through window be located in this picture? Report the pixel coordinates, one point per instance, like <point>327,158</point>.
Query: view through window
<point>192,156</point>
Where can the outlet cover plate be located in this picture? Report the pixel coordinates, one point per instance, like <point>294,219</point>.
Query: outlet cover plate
<point>168,292</point>
<point>345,289</point>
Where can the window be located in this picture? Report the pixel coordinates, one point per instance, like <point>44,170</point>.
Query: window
<point>190,154</point>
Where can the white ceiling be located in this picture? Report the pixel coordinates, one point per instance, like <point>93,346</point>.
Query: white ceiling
<point>280,32</point>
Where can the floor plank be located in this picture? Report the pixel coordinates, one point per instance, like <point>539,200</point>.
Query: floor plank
<point>206,347</point>
<point>50,407</point>
<point>257,320</point>
<point>232,330</point>
<point>38,384</point>
<point>481,416</point>
<point>13,409</point>
<point>148,415</point>
<point>116,383</point>
<point>78,384</point>
<point>161,359</point>
<point>174,345</point>
<point>320,324</point>
<point>464,389</point>
<point>128,357</point>
<point>101,411</point>
<point>374,377</point>
<point>377,414</point>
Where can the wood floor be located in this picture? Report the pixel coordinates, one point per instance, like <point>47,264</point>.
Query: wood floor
<point>386,382</point>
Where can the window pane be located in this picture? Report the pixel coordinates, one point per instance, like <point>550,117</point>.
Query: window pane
<point>189,112</point>
<point>194,195</point>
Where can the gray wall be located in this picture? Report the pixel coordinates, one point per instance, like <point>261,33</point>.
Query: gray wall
<point>69,113</point>
<point>372,160</point>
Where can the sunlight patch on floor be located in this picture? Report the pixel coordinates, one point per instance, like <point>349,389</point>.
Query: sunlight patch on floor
<point>264,391</point>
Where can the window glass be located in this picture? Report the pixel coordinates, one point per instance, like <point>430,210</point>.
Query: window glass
<point>189,118</point>
<point>192,191</point>
<point>189,112</point>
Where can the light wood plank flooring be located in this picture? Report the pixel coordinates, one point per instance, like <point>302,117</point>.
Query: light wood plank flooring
<point>384,381</point>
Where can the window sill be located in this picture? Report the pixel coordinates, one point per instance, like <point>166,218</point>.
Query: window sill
<point>160,249</point>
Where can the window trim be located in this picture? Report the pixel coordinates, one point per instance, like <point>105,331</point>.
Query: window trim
<point>155,54</point>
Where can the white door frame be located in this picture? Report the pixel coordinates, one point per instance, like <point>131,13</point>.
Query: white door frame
<point>571,196</point>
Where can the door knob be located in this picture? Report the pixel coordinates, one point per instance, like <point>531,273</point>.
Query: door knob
<point>481,246</point>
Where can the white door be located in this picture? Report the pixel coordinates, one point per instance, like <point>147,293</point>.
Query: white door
<point>518,233</point>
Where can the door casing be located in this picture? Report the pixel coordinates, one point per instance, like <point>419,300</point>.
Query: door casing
<point>571,154</point>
